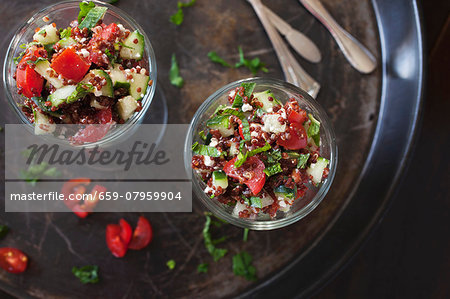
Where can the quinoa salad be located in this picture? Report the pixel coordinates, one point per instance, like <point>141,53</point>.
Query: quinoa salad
<point>87,73</point>
<point>259,155</point>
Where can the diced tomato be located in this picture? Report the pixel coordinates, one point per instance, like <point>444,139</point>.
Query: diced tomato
<point>110,32</point>
<point>13,260</point>
<point>115,243</point>
<point>104,115</point>
<point>70,65</point>
<point>295,113</point>
<point>125,231</point>
<point>298,138</point>
<point>28,81</point>
<point>142,235</point>
<point>250,173</point>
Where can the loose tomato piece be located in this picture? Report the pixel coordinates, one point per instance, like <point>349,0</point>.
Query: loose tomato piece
<point>250,173</point>
<point>142,235</point>
<point>125,231</point>
<point>13,260</point>
<point>70,65</point>
<point>115,243</point>
<point>77,186</point>
<point>297,137</point>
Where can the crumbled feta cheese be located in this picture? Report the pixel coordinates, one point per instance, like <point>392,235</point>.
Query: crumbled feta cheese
<point>271,123</point>
<point>142,95</point>
<point>234,149</point>
<point>84,52</point>
<point>247,107</point>
<point>97,92</point>
<point>208,161</point>
<point>254,134</point>
<point>209,190</point>
<point>82,41</point>
<point>214,142</point>
<point>232,93</point>
<point>121,28</point>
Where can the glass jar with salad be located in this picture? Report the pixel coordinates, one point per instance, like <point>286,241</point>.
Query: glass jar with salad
<point>84,63</point>
<point>262,152</point>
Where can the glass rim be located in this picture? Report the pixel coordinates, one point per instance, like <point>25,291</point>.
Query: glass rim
<point>116,12</point>
<point>251,223</point>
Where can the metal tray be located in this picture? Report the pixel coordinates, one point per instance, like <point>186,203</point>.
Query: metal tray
<point>374,117</point>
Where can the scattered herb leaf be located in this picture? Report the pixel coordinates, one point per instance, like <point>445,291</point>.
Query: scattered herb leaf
<point>178,17</point>
<point>174,73</point>
<point>245,237</point>
<point>86,274</point>
<point>202,268</point>
<point>171,264</point>
<point>216,253</point>
<point>253,65</point>
<point>241,158</point>
<point>214,57</point>
<point>242,266</point>
<point>65,32</point>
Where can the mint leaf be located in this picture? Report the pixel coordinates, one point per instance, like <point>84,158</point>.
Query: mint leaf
<point>273,169</point>
<point>85,7</point>
<point>174,73</point>
<point>273,156</point>
<point>255,202</point>
<point>202,268</point>
<point>242,118</point>
<point>36,61</point>
<point>253,65</point>
<point>178,17</point>
<point>171,264</point>
<point>248,89</point>
<point>302,160</point>
<point>205,150</point>
<point>86,274</point>
<point>93,16</point>
<point>245,237</point>
<point>241,158</point>
<point>242,266</point>
<point>216,253</point>
<point>214,57</point>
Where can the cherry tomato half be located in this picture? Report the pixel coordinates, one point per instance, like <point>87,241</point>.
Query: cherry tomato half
<point>70,65</point>
<point>298,138</point>
<point>13,260</point>
<point>250,173</point>
<point>118,237</point>
<point>115,244</point>
<point>142,235</point>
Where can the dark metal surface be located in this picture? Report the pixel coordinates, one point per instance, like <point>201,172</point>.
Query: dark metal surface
<point>296,258</point>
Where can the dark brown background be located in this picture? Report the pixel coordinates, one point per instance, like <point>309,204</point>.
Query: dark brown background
<point>407,256</point>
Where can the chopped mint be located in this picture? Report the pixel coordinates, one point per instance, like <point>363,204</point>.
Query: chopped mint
<point>202,268</point>
<point>214,57</point>
<point>205,150</point>
<point>178,17</point>
<point>171,264</point>
<point>174,73</point>
<point>216,253</point>
<point>93,16</point>
<point>273,169</point>
<point>242,266</point>
<point>86,274</point>
<point>302,160</point>
<point>253,65</point>
<point>85,7</point>
<point>314,129</point>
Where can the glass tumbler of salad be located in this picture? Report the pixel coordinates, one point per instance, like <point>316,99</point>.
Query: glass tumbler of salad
<point>80,63</point>
<point>262,153</point>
